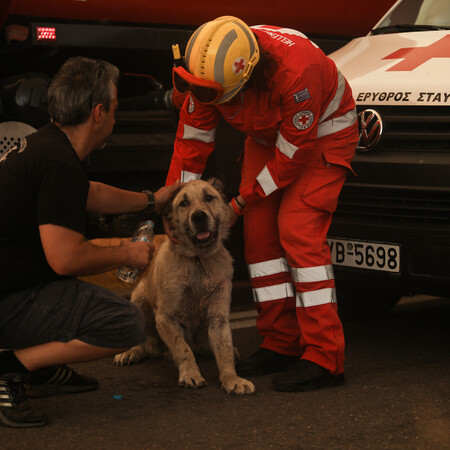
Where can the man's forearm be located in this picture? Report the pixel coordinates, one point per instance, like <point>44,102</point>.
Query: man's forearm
<point>90,259</point>
<point>105,199</point>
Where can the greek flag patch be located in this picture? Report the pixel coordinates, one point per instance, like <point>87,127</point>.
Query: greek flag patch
<point>301,96</point>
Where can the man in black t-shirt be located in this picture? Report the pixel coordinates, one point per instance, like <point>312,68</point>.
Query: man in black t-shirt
<point>48,316</point>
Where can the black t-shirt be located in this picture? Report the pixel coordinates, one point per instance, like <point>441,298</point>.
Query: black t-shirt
<point>42,181</point>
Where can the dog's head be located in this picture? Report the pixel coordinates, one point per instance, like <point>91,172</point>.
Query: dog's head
<point>201,217</point>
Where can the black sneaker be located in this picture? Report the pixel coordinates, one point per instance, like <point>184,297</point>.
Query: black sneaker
<point>58,380</point>
<point>263,362</point>
<point>305,375</point>
<point>15,410</point>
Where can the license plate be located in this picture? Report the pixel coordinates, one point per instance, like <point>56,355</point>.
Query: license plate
<point>365,255</point>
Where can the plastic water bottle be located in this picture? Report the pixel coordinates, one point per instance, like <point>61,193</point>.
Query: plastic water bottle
<point>144,233</point>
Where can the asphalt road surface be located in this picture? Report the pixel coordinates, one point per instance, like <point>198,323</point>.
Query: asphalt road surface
<point>396,397</point>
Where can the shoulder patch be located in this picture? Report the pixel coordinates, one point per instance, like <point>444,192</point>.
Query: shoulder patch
<point>191,106</point>
<point>303,120</point>
<point>302,95</point>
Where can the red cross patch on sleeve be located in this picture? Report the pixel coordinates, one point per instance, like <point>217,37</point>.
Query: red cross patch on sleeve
<point>303,120</point>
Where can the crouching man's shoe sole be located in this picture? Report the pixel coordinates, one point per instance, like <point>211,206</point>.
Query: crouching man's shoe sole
<point>15,410</point>
<point>305,376</point>
<point>57,380</point>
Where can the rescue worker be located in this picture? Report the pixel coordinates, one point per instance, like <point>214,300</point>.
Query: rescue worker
<point>298,114</point>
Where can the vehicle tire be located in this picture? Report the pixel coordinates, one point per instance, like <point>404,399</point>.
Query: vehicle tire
<point>357,302</point>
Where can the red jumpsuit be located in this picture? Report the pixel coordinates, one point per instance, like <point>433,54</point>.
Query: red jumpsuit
<point>301,137</point>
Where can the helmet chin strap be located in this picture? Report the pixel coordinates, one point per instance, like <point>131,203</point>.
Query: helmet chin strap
<point>241,104</point>
<point>229,95</point>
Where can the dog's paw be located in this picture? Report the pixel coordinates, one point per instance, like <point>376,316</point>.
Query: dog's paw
<point>127,358</point>
<point>237,385</point>
<point>191,379</point>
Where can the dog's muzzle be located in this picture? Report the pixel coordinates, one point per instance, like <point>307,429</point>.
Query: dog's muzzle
<point>201,227</point>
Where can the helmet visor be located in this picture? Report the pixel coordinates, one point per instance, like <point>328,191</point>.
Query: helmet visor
<point>203,90</point>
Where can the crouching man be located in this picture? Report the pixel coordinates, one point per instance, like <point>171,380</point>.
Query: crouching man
<point>47,316</point>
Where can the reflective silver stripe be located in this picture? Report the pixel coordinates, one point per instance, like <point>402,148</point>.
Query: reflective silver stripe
<point>315,298</point>
<point>336,101</point>
<point>266,181</point>
<point>311,274</point>
<point>336,124</point>
<point>188,176</point>
<point>249,37</point>
<point>276,292</point>
<point>222,51</point>
<point>286,147</point>
<point>199,135</point>
<point>265,268</point>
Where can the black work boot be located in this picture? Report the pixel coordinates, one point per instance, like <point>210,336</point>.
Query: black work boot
<point>306,375</point>
<point>263,362</point>
<point>15,410</point>
<point>58,380</point>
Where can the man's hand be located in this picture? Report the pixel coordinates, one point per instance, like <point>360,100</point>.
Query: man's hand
<point>139,254</point>
<point>166,194</point>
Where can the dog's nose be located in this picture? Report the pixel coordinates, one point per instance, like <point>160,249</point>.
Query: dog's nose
<point>199,218</point>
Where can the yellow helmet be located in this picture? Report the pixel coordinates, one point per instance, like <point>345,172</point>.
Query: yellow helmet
<point>224,51</point>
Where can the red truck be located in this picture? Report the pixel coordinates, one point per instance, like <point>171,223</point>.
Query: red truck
<point>137,36</point>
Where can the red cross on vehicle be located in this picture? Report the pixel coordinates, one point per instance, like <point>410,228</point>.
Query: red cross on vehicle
<point>413,57</point>
<point>239,65</point>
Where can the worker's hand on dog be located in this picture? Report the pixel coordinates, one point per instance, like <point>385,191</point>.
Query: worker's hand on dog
<point>139,254</point>
<point>236,206</point>
<point>165,194</point>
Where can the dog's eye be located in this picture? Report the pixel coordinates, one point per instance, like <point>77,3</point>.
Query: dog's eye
<point>184,203</point>
<point>209,198</point>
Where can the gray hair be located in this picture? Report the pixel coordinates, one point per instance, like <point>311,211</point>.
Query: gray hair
<point>79,85</point>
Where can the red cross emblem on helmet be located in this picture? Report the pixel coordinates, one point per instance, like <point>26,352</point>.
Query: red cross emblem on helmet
<point>238,65</point>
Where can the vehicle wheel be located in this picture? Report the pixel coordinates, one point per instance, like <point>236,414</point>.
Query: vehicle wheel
<point>356,302</point>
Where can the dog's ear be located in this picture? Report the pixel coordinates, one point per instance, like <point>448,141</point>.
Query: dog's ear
<point>215,182</point>
<point>218,185</point>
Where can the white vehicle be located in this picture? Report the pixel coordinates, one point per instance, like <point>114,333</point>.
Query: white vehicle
<point>391,232</point>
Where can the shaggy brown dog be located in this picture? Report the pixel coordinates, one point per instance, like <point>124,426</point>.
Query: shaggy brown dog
<point>188,289</point>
